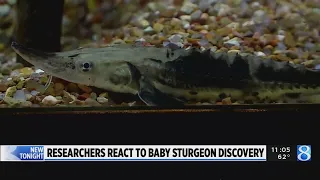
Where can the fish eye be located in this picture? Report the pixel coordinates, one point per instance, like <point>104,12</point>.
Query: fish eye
<point>86,66</point>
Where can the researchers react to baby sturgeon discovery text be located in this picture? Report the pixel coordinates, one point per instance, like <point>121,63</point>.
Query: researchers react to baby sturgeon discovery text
<point>155,152</point>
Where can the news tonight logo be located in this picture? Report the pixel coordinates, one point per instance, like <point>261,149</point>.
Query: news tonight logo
<point>304,153</point>
<point>25,153</point>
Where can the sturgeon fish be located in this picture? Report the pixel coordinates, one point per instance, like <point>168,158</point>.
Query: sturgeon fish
<point>166,76</point>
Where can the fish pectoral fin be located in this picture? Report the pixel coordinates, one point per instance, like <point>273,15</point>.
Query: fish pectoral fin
<point>154,97</point>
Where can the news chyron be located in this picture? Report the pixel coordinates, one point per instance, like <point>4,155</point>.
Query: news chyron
<point>40,153</point>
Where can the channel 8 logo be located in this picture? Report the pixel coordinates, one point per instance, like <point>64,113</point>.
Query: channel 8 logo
<point>303,153</point>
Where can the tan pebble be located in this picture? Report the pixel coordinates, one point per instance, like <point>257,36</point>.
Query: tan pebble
<point>218,103</point>
<point>268,47</point>
<point>92,102</point>
<point>198,28</point>
<point>185,18</point>
<point>204,18</point>
<point>309,63</point>
<point>72,87</point>
<point>256,35</point>
<point>297,61</point>
<point>224,31</point>
<point>226,101</point>
<point>231,36</point>
<point>137,32</point>
<point>50,101</point>
<point>305,55</point>
<point>158,27</point>
<point>175,22</point>
<point>289,40</point>
<point>235,48</point>
<point>3,105</point>
<point>223,49</point>
<point>68,97</point>
<point>58,87</point>
<point>26,104</point>
<point>168,12</point>
<point>10,91</point>
<point>144,23</point>
<point>203,31</point>
<point>3,87</point>
<point>85,88</point>
<point>59,97</point>
<point>234,51</point>
<point>81,103</point>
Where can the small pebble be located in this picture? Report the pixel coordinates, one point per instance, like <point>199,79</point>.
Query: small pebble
<point>195,16</point>
<point>20,84</point>
<point>34,93</point>
<point>102,100</point>
<point>39,71</point>
<point>26,71</point>
<point>227,101</point>
<point>58,87</point>
<point>29,97</point>
<point>72,87</point>
<point>10,91</point>
<point>20,95</point>
<point>26,104</point>
<point>158,27</point>
<point>3,87</point>
<point>69,97</point>
<point>43,80</point>
<point>148,30</point>
<point>233,42</point>
<point>11,101</point>
<point>289,40</point>
<point>188,8</point>
<point>93,95</point>
<point>50,101</point>
<point>185,18</point>
<point>259,53</point>
<point>92,102</point>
